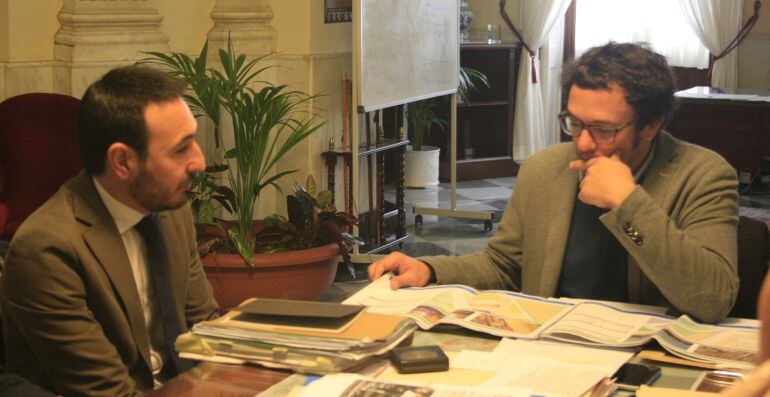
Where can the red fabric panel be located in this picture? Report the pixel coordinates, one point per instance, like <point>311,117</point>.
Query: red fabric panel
<point>38,152</point>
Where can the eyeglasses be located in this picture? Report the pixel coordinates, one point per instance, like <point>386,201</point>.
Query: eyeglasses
<point>601,135</point>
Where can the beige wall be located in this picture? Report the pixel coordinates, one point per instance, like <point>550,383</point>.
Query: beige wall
<point>754,51</point>
<point>185,26</point>
<point>4,11</point>
<point>312,56</point>
<point>301,28</point>
<point>30,28</point>
<point>762,27</point>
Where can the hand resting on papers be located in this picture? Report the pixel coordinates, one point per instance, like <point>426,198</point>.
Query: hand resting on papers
<point>409,272</point>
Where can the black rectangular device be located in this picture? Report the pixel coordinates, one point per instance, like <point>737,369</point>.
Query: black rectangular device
<point>415,359</point>
<point>631,376</point>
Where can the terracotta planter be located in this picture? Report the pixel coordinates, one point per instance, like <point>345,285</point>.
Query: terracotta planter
<point>304,274</point>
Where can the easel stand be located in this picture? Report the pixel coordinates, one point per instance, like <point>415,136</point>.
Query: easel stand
<point>452,211</point>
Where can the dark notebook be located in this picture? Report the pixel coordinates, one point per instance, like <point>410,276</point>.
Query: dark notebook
<point>294,313</point>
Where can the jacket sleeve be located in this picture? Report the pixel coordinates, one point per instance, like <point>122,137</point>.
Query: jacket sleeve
<point>45,299</point>
<point>199,304</point>
<point>690,252</point>
<point>498,265</point>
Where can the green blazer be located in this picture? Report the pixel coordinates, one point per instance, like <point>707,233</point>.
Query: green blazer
<point>72,320</point>
<point>684,214</point>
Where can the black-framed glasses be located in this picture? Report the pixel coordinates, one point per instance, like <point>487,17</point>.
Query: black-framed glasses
<point>600,134</point>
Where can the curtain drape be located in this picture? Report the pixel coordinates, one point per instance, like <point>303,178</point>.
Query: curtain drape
<point>716,22</point>
<point>660,23</point>
<point>551,61</point>
<point>536,20</point>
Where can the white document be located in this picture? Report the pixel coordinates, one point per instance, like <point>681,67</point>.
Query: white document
<point>598,323</point>
<point>551,378</point>
<point>352,385</point>
<point>566,353</point>
<point>628,307</point>
<point>379,298</point>
<point>484,361</point>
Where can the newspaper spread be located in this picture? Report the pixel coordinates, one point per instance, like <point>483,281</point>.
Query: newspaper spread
<point>500,313</point>
<point>516,315</point>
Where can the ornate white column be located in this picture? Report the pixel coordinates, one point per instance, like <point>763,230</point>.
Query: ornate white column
<point>97,35</point>
<point>248,24</point>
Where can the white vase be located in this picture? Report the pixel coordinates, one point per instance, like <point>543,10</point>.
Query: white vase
<point>421,167</point>
<point>466,19</point>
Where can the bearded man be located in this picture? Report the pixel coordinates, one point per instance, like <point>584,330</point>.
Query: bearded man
<point>100,280</point>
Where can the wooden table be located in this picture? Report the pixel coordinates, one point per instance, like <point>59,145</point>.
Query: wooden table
<point>209,379</point>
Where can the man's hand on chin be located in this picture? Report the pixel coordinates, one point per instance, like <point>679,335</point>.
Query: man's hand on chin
<point>607,181</point>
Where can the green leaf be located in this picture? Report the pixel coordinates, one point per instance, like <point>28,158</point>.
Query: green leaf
<point>324,199</point>
<point>241,245</point>
<point>310,185</point>
<point>205,213</point>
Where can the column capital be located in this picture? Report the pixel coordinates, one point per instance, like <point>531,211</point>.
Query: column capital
<point>108,30</point>
<point>247,22</point>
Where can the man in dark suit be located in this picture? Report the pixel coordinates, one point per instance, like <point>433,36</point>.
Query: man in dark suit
<point>100,281</point>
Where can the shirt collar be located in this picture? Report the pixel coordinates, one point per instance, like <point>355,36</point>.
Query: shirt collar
<point>639,175</point>
<point>124,216</point>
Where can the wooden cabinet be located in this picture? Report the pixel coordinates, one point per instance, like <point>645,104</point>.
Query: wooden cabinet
<point>739,130</point>
<point>485,123</point>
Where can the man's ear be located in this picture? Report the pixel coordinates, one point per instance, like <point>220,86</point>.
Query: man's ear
<point>651,130</point>
<point>122,160</point>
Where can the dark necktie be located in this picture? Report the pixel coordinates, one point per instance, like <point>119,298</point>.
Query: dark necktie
<point>158,265</point>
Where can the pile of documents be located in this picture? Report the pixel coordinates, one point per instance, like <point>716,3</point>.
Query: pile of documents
<point>511,314</point>
<point>309,337</point>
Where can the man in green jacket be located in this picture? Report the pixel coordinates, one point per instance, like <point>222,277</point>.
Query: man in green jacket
<point>625,213</point>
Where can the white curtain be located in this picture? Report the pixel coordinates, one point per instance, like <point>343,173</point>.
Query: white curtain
<point>536,20</point>
<point>717,22</point>
<point>551,61</point>
<point>660,23</point>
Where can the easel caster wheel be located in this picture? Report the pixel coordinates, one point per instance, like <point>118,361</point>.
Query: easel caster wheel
<point>418,220</point>
<point>487,226</point>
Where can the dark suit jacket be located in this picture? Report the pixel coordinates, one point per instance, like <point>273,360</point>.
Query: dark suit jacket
<point>71,313</point>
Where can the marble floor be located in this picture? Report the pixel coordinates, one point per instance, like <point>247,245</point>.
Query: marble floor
<point>455,236</point>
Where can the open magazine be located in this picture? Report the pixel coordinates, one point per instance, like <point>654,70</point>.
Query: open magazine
<point>517,315</point>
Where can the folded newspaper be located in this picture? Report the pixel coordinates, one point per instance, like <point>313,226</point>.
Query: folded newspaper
<point>517,315</point>
<point>242,337</point>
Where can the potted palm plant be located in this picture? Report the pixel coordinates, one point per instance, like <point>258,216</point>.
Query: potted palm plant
<point>422,161</point>
<point>266,123</point>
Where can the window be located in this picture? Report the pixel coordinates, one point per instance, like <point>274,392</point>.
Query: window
<point>657,22</point>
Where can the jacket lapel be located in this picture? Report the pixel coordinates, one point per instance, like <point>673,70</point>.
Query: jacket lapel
<point>102,237</point>
<point>561,202</point>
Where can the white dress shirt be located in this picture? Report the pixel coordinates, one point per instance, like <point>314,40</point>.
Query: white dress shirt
<point>126,218</point>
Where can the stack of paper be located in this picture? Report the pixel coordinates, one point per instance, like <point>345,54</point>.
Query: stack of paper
<point>312,337</point>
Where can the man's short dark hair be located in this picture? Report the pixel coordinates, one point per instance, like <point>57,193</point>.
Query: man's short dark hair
<point>641,72</point>
<point>112,110</point>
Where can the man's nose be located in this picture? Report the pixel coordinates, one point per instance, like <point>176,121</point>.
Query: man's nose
<point>584,142</point>
<point>198,163</point>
